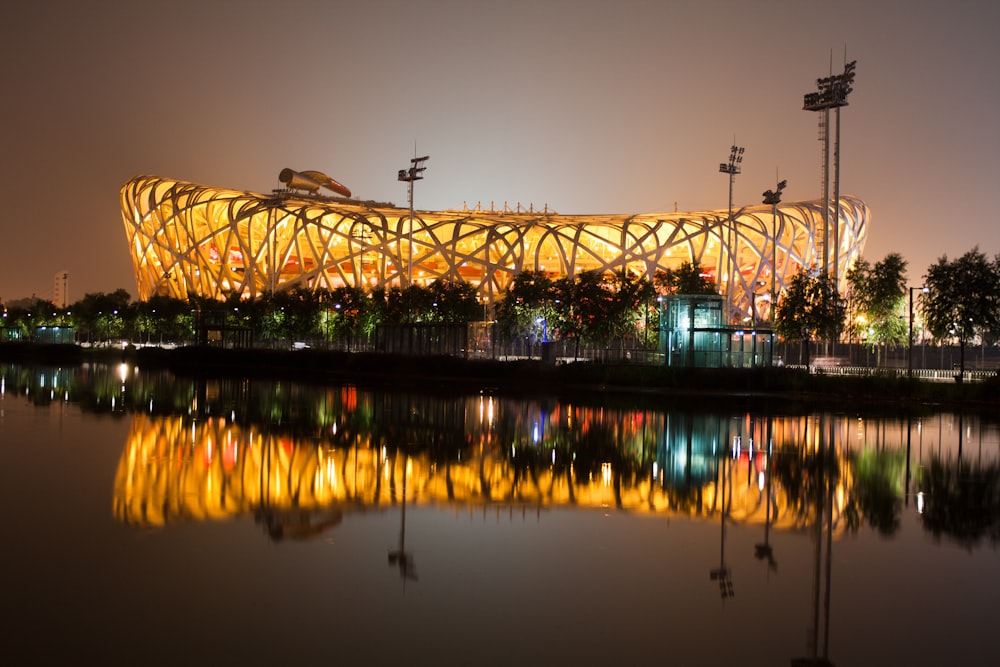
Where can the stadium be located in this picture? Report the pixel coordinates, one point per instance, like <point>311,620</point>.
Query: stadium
<point>187,240</point>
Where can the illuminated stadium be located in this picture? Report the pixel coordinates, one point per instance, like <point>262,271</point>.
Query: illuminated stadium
<point>187,239</point>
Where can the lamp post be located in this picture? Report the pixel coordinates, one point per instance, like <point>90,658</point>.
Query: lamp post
<point>363,236</point>
<point>773,197</point>
<point>272,205</point>
<point>732,168</point>
<point>414,173</point>
<point>909,341</point>
<point>545,328</point>
<point>753,304</point>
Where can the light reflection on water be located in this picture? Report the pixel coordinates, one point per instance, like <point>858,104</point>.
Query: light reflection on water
<point>535,531</point>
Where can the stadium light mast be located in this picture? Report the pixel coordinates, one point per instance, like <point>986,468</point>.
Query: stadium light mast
<point>414,173</point>
<point>773,197</point>
<point>832,94</point>
<point>732,168</point>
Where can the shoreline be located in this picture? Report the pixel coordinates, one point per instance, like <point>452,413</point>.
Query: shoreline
<point>534,377</point>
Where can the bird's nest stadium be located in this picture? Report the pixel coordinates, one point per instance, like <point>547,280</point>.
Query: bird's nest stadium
<point>187,239</point>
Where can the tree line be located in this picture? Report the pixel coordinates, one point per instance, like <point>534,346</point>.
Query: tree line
<point>959,301</point>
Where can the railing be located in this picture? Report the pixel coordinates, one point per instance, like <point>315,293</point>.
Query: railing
<point>927,374</point>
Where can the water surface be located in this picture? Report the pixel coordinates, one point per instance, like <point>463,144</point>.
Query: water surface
<point>153,519</point>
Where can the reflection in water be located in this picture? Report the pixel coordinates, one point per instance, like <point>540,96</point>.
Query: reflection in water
<point>186,467</point>
<point>963,501</point>
<point>401,557</point>
<point>765,551</point>
<point>299,459</point>
<point>722,573</point>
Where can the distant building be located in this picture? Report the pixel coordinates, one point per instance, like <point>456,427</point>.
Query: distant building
<point>55,335</point>
<point>60,290</point>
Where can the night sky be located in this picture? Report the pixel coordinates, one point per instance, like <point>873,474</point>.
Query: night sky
<point>581,105</point>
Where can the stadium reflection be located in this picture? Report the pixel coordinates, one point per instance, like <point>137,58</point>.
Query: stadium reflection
<point>300,459</point>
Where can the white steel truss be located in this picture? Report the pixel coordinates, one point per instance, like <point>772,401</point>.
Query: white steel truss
<point>188,239</point>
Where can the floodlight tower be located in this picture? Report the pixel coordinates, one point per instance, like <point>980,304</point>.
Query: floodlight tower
<point>732,168</point>
<point>832,94</point>
<point>414,173</point>
<point>773,197</point>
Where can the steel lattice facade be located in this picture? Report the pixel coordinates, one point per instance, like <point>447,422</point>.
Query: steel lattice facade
<point>188,239</point>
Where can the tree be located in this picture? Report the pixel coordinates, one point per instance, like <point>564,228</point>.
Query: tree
<point>689,278</point>
<point>629,303</point>
<point>102,315</point>
<point>23,320</point>
<point>962,299</point>
<point>530,296</point>
<point>345,314</point>
<point>878,297</point>
<point>588,310</point>
<point>454,302</point>
<point>300,308</point>
<point>161,316</point>
<point>810,308</point>
<point>387,304</point>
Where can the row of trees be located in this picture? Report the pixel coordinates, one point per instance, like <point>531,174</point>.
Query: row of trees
<point>958,301</point>
<point>592,308</point>
<point>341,314</point>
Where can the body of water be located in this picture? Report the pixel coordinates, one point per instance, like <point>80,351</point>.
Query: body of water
<point>152,519</point>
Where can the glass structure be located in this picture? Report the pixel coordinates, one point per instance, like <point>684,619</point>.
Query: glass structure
<point>694,334</point>
<point>187,239</point>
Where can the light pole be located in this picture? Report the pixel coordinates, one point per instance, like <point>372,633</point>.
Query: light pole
<point>732,168</point>
<point>414,173</point>
<point>753,304</point>
<point>832,94</point>
<point>545,328</point>
<point>270,235</point>
<point>773,197</point>
<point>363,236</point>
<point>909,341</point>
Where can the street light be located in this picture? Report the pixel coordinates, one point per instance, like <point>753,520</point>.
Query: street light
<point>732,168</point>
<point>545,328</point>
<point>909,350</point>
<point>753,304</point>
<point>414,173</point>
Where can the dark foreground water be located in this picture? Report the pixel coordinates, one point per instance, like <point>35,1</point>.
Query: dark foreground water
<point>157,520</point>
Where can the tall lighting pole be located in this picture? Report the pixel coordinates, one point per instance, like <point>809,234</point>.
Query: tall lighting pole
<point>414,173</point>
<point>773,197</point>
<point>732,168</point>
<point>832,94</point>
<point>909,347</point>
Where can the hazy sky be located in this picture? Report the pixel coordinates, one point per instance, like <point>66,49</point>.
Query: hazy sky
<point>587,106</point>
